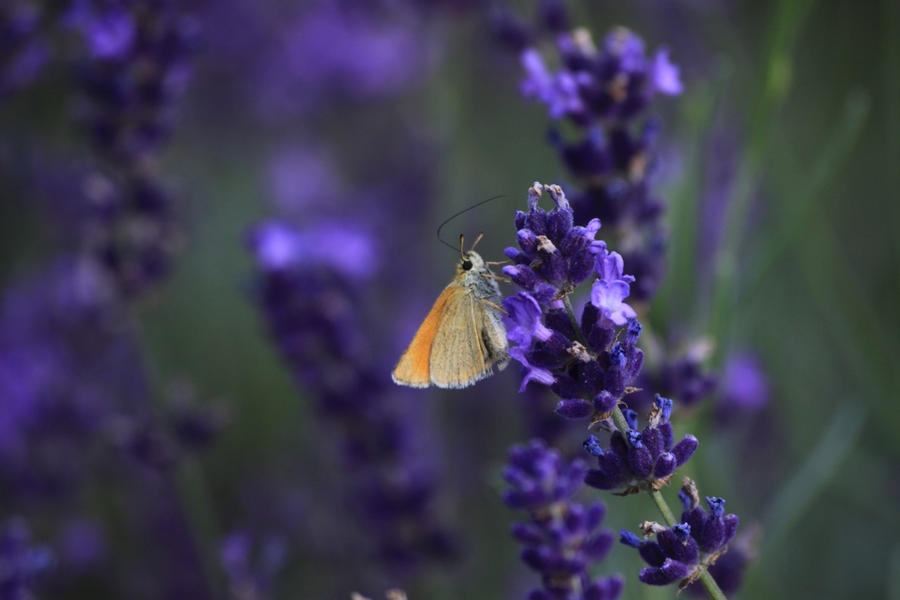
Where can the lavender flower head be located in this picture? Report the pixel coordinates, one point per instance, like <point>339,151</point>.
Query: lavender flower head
<point>590,364</point>
<point>638,460</point>
<point>681,552</point>
<point>562,538</point>
<point>605,92</point>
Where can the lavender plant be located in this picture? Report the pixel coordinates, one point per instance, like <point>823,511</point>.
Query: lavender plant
<point>590,364</point>
<point>74,388</point>
<point>134,69</point>
<point>311,289</point>
<point>598,98</point>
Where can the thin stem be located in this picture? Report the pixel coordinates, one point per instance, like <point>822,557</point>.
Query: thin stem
<point>663,507</point>
<point>619,418</point>
<point>712,588</point>
<point>573,320</point>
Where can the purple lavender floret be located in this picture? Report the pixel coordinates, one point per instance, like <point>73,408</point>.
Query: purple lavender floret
<point>563,538</point>
<point>644,459</point>
<point>587,364</point>
<point>21,562</point>
<point>682,551</point>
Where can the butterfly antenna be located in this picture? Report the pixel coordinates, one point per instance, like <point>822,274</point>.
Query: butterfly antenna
<point>478,239</point>
<point>463,211</point>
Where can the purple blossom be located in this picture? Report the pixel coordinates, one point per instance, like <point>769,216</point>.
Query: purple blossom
<point>682,551</point>
<point>640,460</point>
<point>665,74</point>
<point>559,91</point>
<point>611,288</point>
<point>605,93</point>
<point>581,364</point>
<point>562,538</point>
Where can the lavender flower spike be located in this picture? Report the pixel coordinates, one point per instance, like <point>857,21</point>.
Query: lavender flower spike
<point>582,362</point>
<point>638,460</point>
<point>681,552</point>
<point>562,538</point>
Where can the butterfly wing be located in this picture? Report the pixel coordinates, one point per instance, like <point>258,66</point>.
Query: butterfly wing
<point>459,356</point>
<point>413,367</point>
<point>493,334</point>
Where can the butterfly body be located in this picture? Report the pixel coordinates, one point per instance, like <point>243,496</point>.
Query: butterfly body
<point>463,336</point>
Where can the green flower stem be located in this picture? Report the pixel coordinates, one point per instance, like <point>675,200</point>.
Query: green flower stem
<point>712,588</point>
<point>663,507</point>
<point>573,320</point>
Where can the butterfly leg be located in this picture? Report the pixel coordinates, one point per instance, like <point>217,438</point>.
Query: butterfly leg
<point>497,277</point>
<point>497,262</point>
<point>492,305</point>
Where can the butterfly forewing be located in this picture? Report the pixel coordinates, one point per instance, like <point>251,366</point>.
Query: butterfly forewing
<point>458,355</point>
<point>413,367</point>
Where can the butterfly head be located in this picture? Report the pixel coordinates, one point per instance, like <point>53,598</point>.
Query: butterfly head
<point>470,261</point>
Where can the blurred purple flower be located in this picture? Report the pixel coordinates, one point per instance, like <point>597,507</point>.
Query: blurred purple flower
<point>250,564</point>
<point>745,386</point>
<point>134,70</point>
<point>312,286</point>
<point>109,32</point>
<point>81,544</point>
<point>61,352</point>
<point>21,562</point>
<point>682,375</point>
<point>281,247</point>
<point>23,50</point>
<point>300,178</point>
<point>333,52</point>
<point>665,74</point>
<point>581,362</point>
<point>563,538</point>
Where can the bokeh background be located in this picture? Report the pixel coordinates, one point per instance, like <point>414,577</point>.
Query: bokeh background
<point>172,450</point>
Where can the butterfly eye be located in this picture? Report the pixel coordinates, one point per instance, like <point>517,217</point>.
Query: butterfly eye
<point>466,265</point>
